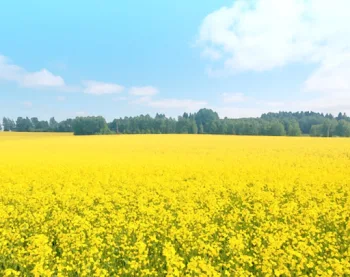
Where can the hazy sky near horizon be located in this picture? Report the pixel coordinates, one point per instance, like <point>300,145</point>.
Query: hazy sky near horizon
<point>123,58</point>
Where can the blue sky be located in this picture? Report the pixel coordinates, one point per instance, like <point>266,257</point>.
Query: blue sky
<point>122,58</point>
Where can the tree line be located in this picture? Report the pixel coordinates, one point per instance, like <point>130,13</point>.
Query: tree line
<point>205,121</point>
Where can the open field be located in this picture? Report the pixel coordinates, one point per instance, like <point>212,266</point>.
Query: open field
<point>175,205</point>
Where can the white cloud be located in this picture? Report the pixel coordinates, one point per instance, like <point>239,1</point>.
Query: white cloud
<point>172,103</point>
<point>237,105</point>
<point>99,88</point>
<point>15,73</point>
<point>81,113</point>
<point>122,98</point>
<point>264,34</point>
<point>240,112</point>
<point>327,103</point>
<point>9,71</point>
<point>165,104</point>
<point>143,91</point>
<point>42,78</point>
<point>142,100</point>
<point>332,76</point>
<point>211,54</point>
<point>274,103</point>
<point>27,104</point>
<point>234,97</point>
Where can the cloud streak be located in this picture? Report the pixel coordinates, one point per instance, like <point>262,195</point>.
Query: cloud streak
<point>234,97</point>
<point>27,104</point>
<point>42,78</point>
<point>173,103</point>
<point>143,91</point>
<point>100,88</point>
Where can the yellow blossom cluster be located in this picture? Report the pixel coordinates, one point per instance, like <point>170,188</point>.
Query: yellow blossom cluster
<point>174,205</point>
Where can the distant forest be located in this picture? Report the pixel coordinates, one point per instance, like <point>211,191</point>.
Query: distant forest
<point>205,121</point>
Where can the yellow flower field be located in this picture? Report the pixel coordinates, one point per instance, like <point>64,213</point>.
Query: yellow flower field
<point>174,205</point>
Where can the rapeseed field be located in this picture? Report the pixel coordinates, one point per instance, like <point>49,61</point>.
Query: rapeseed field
<point>174,205</point>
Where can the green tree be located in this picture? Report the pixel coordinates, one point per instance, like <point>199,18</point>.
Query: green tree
<point>316,130</point>
<point>23,125</point>
<point>35,123</point>
<point>222,127</point>
<point>65,126</point>
<point>230,128</point>
<point>90,125</point>
<point>343,128</point>
<point>200,129</point>
<point>53,124</point>
<point>43,126</point>
<point>8,124</point>
<point>182,125</point>
<point>193,129</point>
<point>276,129</point>
<point>293,128</point>
<point>206,117</point>
<point>213,128</point>
<point>328,127</point>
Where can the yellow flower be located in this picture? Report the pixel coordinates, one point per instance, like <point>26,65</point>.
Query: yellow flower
<point>175,205</point>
